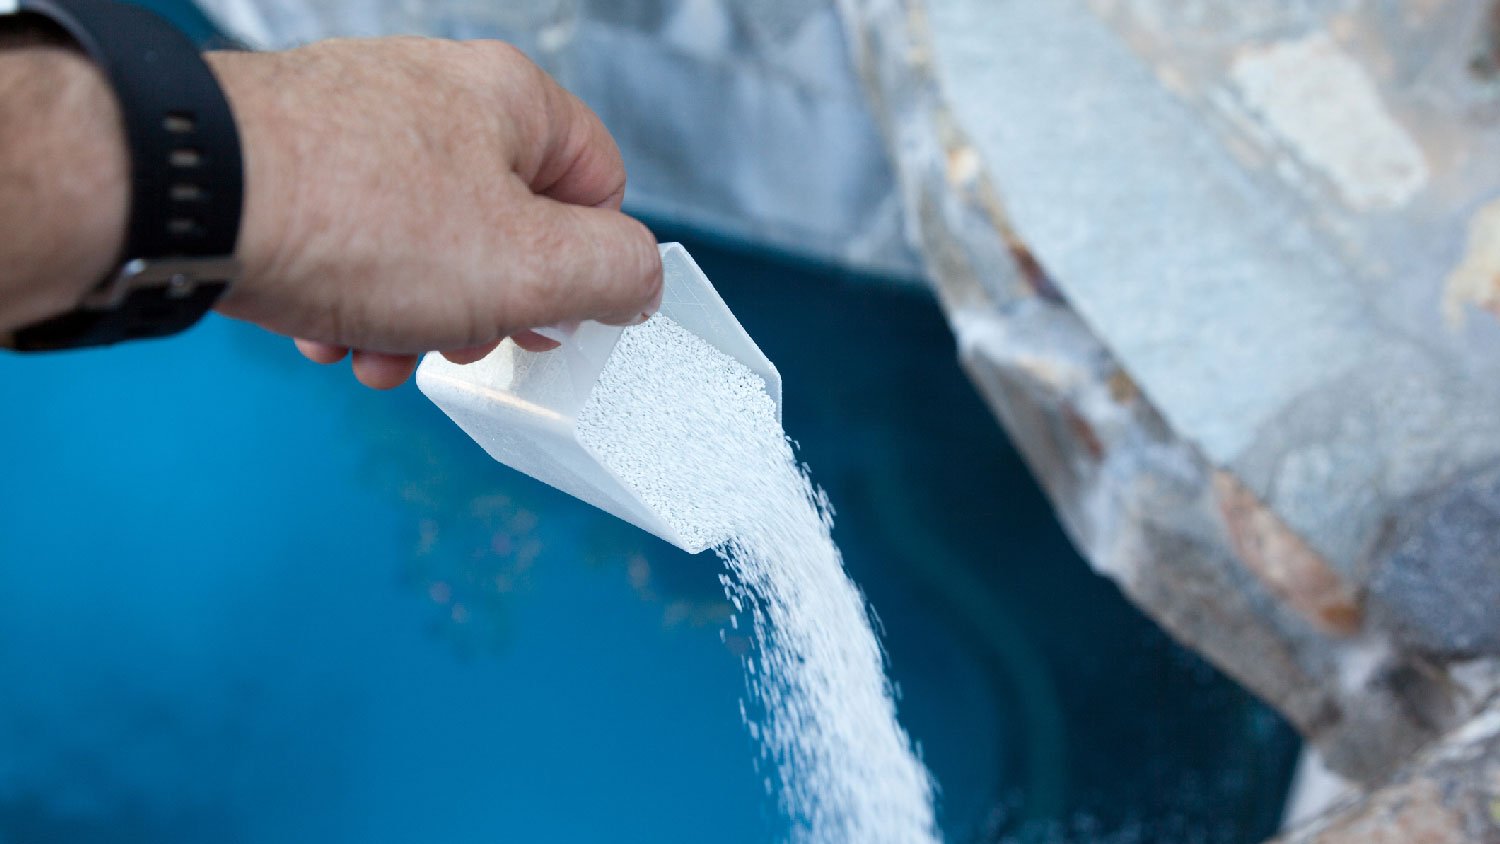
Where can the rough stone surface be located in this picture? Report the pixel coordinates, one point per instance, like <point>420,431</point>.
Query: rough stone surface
<point>1450,794</point>
<point>1453,611</point>
<point>1217,334</point>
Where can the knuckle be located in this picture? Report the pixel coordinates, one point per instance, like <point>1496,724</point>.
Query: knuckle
<point>504,65</point>
<point>498,52</point>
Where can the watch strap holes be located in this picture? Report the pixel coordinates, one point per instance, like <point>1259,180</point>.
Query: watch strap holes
<point>184,227</point>
<point>188,192</point>
<point>186,158</point>
<point>180,122</point>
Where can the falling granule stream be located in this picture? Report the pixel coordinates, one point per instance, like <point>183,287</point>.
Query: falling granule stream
<point>695,435</point>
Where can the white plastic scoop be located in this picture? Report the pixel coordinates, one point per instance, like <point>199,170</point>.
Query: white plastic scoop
<point>522,406</point>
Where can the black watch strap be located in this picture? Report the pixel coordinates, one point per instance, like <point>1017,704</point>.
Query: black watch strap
<point>187,179</point>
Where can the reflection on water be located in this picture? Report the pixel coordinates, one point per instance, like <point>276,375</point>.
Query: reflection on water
<point>242,599</point>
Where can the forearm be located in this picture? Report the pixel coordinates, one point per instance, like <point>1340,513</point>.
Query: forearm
<point>63,181</point>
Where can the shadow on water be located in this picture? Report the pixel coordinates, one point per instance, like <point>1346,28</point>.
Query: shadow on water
<point>37,818</point>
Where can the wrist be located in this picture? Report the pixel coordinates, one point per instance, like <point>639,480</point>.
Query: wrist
<point>64,175</point>
<point>268,147</point>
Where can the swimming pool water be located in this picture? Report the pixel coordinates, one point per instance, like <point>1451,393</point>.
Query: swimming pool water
<point>244,600</point>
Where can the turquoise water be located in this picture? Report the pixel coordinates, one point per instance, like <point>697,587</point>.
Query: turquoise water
<point>244,600</point>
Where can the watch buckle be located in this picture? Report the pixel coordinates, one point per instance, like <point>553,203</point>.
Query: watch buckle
<point>179,276</point>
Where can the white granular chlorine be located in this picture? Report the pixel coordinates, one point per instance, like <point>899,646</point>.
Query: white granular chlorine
<point>694,433</point>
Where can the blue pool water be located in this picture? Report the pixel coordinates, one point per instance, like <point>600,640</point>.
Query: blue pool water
<point>244,600</point>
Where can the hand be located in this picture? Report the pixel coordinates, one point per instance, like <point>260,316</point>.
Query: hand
<point>405,195</point>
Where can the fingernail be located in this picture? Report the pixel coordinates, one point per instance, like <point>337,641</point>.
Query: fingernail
<point>645,315</point>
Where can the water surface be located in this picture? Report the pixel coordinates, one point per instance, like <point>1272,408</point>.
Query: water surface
<point>244,600</point>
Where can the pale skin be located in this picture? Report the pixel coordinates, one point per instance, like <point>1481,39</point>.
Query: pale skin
<point>403,195</point>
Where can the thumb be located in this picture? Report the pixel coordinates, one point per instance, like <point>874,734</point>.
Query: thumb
<point>585,263</point>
